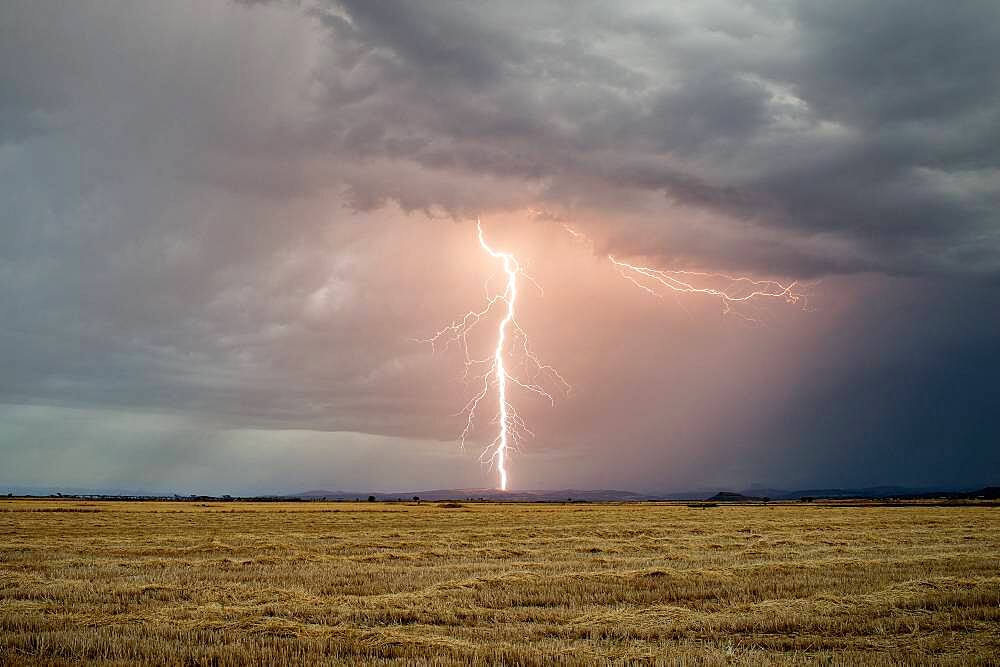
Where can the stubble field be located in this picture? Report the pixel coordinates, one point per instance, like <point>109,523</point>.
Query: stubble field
<point>395,583</point>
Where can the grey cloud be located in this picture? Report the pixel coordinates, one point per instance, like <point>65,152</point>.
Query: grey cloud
<point>816,120</point>
<point>900,62</point>
<point>741,110</point>
<point>807,118</point>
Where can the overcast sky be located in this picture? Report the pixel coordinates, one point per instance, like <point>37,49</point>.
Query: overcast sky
<point>223,225</point>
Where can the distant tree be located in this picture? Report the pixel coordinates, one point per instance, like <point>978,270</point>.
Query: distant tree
<point>766,500</point>
<point>371,499</point>
<point>416,499</point>
<point>806,499</point>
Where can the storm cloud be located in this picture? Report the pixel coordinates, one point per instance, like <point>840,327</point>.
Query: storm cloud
<point>227,221</point>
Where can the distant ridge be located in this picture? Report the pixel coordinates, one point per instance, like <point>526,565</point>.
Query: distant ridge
<point>612,495</point>
<point>754,494</point>
<point>874,493</point>
<point>485,494</point>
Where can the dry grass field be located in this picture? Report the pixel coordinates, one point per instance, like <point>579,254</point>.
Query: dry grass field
<point>395,583</point>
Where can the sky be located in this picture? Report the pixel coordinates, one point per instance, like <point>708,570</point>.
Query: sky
<point>226,227</point>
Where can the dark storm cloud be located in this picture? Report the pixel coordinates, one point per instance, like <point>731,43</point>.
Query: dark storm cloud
<point>236,214</point>
<point>872,126</point>
<point>875,125</point>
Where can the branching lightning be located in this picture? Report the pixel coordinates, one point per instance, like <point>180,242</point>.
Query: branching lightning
<point>738,289</point>
<point>730,290</point>
<point>492,371</point>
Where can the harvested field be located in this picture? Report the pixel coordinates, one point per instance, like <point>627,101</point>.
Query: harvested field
<point>407,583</point>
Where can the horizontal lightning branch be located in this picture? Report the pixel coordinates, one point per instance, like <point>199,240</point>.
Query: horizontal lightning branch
<point>731,290</point>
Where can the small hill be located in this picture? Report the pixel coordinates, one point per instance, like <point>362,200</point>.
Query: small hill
<point>730,497</point>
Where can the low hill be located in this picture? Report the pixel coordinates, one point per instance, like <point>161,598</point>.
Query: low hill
<point>730,497</point>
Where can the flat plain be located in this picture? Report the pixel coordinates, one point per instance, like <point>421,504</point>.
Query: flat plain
<point>490,583</point>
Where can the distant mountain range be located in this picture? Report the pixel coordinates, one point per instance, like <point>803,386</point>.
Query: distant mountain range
<point>872,492</point>
<point>486,494</point>
<point>610,495</point>
<point>560,495</point>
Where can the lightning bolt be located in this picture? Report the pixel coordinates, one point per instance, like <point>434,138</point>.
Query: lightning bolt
<point>492,371</point>
<point>739,289</point>
<point>729,289</point>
